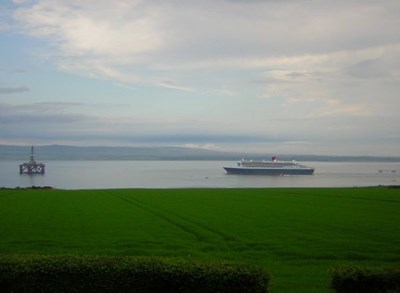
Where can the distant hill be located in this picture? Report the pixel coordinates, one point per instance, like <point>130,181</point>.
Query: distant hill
<point>63,152</point>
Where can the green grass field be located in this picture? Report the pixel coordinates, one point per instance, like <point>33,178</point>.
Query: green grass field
<point>296,234</point>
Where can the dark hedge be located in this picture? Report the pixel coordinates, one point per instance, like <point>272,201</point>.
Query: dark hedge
<point>365,279</point>
<point>34,273</point>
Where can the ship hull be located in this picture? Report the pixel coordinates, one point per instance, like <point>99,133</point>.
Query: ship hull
<point>269,171</point>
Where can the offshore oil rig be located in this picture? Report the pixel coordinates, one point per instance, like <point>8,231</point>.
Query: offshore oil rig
<point>32,167</point>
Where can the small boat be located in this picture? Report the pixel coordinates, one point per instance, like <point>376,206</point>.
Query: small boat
<point>273,167</point>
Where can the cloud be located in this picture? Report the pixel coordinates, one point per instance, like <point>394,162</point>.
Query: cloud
<point>14,90</point>
<point>349,83</point>
<point>91,31</point>
<point>301,70</point>
<point>158,120</point>
<point>4,26</point>
<point>173,85</point>
<point>22,1</point>
<point>69,121</point>
<point>50,114</point>
<point>120,39</point>
<point>370,69</point>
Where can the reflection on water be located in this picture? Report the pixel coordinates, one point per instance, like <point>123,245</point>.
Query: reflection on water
<point>184,174</point>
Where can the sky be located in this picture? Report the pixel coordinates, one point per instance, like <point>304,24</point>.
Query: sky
<point>285,77</point>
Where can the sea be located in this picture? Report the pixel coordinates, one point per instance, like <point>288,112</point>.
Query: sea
<point>193,174</point>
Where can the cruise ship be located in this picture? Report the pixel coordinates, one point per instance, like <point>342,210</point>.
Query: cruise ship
<point>273,167</point>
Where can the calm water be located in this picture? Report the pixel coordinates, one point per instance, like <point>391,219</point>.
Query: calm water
<point>183,174</point>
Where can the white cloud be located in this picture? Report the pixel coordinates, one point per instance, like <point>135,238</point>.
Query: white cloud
<point>190,34</point>
<point>92,27</point>
<point>336,83</point>
<point>173,85</point>
<point>284,67</point>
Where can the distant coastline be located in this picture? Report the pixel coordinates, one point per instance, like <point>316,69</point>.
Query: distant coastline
<point>63,152</point>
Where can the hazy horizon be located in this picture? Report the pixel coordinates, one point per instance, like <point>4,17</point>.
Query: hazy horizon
<point>307,77</point>
<point>159,153</point>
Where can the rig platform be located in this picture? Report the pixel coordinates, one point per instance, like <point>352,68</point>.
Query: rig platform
<point>32,167</point>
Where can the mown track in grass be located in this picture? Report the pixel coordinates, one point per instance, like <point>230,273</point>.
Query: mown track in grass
<point>180,222</point>
<point>297,234</point>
